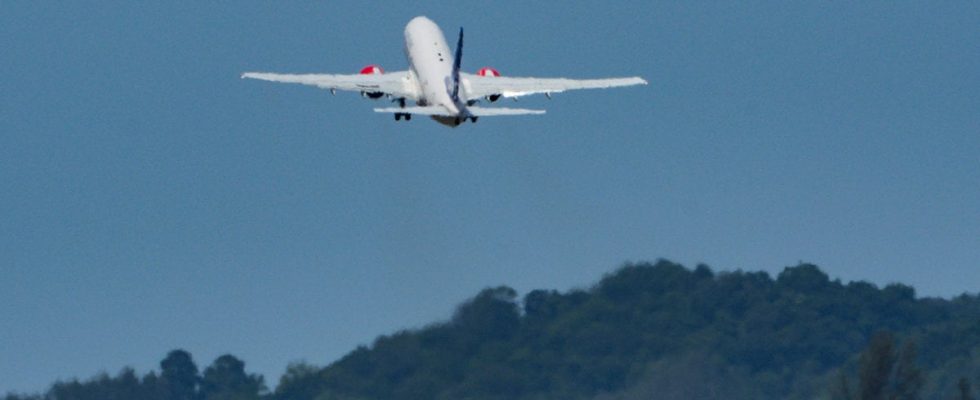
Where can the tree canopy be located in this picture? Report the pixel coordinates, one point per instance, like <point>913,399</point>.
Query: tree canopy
<point>647,330</point>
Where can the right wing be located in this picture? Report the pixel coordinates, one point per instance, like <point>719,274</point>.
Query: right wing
<point>396,84</point>
<point>479,86</point>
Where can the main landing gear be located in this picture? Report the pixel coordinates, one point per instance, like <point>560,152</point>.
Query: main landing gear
<point>401,103</point>
<point>461,120</point>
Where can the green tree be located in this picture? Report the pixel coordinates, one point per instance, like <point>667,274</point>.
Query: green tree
<point>13,396</point>
<point>908,378</point>
<point>842,391</point>
<point>152,387</point>
<point>647,330</point>
<point>300,382</point>
<point>803,278</point>
<point>491,315</point>
<point>965,392</point>
<point>179,376</point>
<point>876,365</point>
<point>225,379</point>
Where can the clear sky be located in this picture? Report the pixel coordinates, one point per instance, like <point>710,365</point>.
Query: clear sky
<point>151,200</point>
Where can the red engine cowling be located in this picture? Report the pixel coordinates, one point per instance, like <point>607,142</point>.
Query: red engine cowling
<point>490,72</point>
<point>371,70</point>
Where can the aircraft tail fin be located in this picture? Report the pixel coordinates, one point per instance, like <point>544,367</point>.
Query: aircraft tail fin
<point>456,64</point>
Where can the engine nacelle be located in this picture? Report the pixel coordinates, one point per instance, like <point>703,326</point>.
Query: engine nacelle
<point>489,72</point>
<point>372,70</point>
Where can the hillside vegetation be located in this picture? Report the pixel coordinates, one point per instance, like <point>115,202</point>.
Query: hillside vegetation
<point>646,331</point>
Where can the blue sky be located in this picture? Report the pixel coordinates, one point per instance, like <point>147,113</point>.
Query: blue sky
<point>152,200</point>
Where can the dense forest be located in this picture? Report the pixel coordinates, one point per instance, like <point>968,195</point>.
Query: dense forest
<point>646,331</point>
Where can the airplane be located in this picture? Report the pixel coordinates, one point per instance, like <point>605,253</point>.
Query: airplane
<point>436,84</point>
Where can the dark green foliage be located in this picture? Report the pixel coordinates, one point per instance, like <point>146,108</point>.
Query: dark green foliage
<point>179,377</point>
<point>884,372</point>
<point>491,316</point>
<point>646,331</point>
<point>226,379</point>
<point>842,390</point>
<point>643,332</point>
<point>301,381</point>
<point>965,392</point>
<point>12,396</point>
<point>907,380</point>
<point>124,386</point>
<point>876,367</point>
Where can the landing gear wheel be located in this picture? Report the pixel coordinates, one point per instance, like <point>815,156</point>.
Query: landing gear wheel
<point>408,117</point>
<point>473,119</point>
<point>398,116</point>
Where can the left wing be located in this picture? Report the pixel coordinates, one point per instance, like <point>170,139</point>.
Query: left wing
<point>478,86</point>
<point>397,84</point>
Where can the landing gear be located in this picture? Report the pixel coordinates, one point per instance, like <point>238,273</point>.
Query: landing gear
<point>401,104</point>
<point>473,119</point>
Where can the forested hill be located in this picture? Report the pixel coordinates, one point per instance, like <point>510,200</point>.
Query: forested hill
<point>645,331</point>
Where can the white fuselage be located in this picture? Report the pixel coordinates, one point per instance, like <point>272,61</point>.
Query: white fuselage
<point>431,61</point>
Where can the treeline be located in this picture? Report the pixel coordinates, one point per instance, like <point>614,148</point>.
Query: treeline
<point>646,331</point>
<point>179,379</point>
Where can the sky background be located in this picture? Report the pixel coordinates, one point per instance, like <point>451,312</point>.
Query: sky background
<point>151,200</point>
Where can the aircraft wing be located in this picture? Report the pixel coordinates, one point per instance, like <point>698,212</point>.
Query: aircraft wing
<point>477,86</point>
<point>396,84</point>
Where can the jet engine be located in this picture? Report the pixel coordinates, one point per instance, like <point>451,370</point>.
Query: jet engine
<point>489,72</point>
<point>371,70</point>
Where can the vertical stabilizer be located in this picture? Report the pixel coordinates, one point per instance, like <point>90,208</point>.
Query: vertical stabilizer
<point>456,64</point>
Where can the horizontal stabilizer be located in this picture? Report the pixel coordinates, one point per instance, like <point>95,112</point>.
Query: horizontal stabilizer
<point>430,110</point>
<point>473,111</point>
<point>489,112</point>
